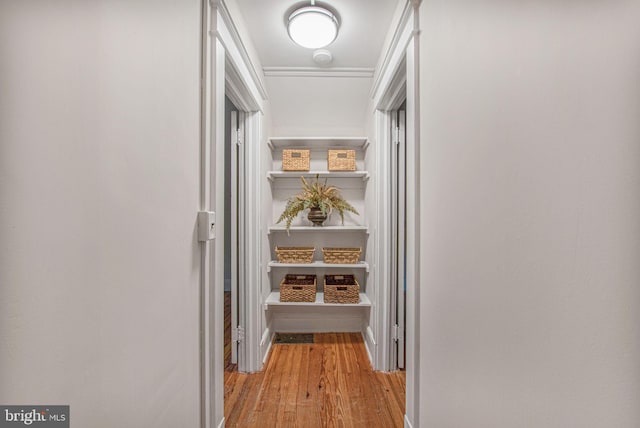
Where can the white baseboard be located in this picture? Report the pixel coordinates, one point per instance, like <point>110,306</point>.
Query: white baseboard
<point>266,337</point>
<point>265,344</point>
<point>370,345</point>
<point>407,422</point>
<point>266,353</point>
<point>370,336</point>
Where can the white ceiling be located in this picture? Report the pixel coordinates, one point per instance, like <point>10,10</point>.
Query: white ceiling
<point>363,27</point>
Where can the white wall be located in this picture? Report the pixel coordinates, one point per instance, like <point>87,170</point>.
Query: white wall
<point>99,179</point>
<point>530,206</point>
<point>310,106</point>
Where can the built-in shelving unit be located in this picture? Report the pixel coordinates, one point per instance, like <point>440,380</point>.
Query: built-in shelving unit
<point>360,143</point>
<point>312,316</point>
<point>323,229</point>
<point>319,264</point>
<point>274,300</point>
<point>272,175</point>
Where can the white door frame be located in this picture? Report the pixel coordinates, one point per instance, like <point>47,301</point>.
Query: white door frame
<point>397,175</point>
<point>226,67</point>
<point>396,93</point>
<point>397,77</point>
<point>238,231</point>
<point>401,240</point>
<point>393,247</point>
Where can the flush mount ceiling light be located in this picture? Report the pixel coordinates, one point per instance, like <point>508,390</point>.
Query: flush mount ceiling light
<point>312,26</point>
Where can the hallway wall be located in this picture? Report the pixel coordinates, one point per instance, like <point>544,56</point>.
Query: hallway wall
<point>99,187</point>
<point>530,207</point>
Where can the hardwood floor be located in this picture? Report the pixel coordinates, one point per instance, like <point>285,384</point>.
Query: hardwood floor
<point>329,383</point>
<point>227,330</point>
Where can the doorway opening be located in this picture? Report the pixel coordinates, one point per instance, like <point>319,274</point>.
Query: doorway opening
<point>234,221</point>
<point>398,176</point>
<point>396,99</point>
<point>227,71</point>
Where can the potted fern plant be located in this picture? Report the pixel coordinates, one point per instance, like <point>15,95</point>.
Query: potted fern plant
<point>320,199</point>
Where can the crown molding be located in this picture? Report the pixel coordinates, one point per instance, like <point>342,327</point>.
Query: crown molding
<point>318,72</point>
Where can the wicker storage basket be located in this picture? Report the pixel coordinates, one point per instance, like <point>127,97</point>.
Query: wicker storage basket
<point>295,254</point>
<point>341,255</point>
<point>295,160</point>
<point>341,289</point>
<point>298,288</point>
<point>342,160</point>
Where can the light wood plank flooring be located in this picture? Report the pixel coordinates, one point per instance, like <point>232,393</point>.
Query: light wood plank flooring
<point>227,330</point>
<point>329,383</point>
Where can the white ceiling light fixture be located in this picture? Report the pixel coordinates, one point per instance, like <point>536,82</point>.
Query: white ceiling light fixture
<point>312,26</point>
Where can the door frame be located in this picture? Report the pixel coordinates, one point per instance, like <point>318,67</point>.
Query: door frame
<point>226,68</point>
<point>238,230</point>
<point>398,78</point>
<point>397,176</point>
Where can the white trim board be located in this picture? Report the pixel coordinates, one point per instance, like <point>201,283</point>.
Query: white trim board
<point>370,343</point>
<point>318,72</point>
<point>265,343</point>
<point>392,59</point>
<point>407,422</point>
<point>240,56</point>
<point>253,237</point>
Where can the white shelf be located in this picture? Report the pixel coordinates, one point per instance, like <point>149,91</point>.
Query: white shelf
<point>318,264</point>
<point>318,142</point>
<point>354,228</point>
<point>271,175</point>
<point>274,300</point>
